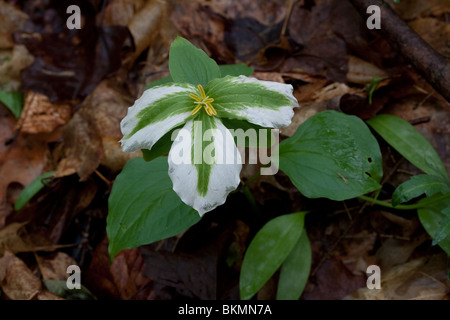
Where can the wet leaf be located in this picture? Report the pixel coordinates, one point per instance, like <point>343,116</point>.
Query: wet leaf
<point>332,155</point>
<point>268,250</point>
<point>141,211</point>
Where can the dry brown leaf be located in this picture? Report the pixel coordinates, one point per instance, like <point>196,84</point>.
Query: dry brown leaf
<point>91,136</point>
<point>16,280</point>
<point>362,72</point>
<point>146,24</point>
<point>410,10</point>
<point>40,115</point>
<point>120,12</point>
<point>435,32</point>
<point>22,159</point>
<point>11,239</point>
<point>55,266</point>
<point>11,19</point>
<point>10,69</point>
<point>420,279</point>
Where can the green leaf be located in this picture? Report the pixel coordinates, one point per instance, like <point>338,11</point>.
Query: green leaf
<point>418,185</point>
<point>190,64</point>
<point>444,227</point>
<point>295,270</point>
<point>240,69</point>
<point>404,138</point>
<point>13,101</point>
<point>433,219</point>
<point>267,251</point>
<point>225,70</point>
<point>332,155</point>
<point>30,190</point>
<point>60,289</point>
<point>143,208</point>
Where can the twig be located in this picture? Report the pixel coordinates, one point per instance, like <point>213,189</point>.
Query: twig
<point>429,63</point>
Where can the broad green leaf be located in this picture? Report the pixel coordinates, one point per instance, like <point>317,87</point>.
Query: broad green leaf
<point>225,70</point>
<point>433,219</point>
<point>444,227</point>
<point>268,250</point>
<point>418,185</point>
<point>240,69</point>
<point>190,64</point>
<point>60,289</point>
<point>295,270</point>
<point>332,155</point>
<point>143,208</point>
<point>13,101</point>
<point>401,135</point>
<point>30,190</point>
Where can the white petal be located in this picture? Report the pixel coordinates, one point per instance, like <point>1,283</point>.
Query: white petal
<point>223,175</point>
<point>163,116</point>
<point>254,104</point>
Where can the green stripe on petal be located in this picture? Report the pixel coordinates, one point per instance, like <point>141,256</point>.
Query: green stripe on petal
<point>265,103</point>
<point>204,163</point>
<point>155,113</point>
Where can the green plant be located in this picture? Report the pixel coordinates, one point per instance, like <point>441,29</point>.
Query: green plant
<point>332,155</point>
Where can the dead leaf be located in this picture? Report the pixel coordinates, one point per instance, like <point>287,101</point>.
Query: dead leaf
<point>435,32</point>
<point>120,12</point>
<point>11,67</point>
<point>11,238</point>
<point>11,19</point>
<point>363,72</point>
<point>40,115</point>
<point>420,279</point>
<point>413,9</point>
<point>55,266</point>
<point>22,159</point>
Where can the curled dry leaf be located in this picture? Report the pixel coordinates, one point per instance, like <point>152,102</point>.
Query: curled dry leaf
<point>12,66</point>
<point>40,115</point>
<point>18,282</point>
<point>362,72</point>
<point>420,279</point>
<point>11,19</point>
<point>55,266</point>
<point>146,24</point>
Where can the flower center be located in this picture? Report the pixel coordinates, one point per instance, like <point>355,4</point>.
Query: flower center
<point>203,101</point>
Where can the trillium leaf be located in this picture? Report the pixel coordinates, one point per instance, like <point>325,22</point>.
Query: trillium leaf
<point>156,112</point>
<point>401,135</point>
<point>418,185</point>
<point>225,70</point>
<point>267,251</point>
<point>332,155</point>
<point>13,101</point>
<point>30,190</point>
<point>143,208</point>
<point>265,103</point>
<point>204,163</point>
<point>190,64</point>
<point>434,220</point>
<point>295,270</point>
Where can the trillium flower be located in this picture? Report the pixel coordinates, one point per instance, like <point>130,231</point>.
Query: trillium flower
<point>204,162</point>
<point>160,109</point>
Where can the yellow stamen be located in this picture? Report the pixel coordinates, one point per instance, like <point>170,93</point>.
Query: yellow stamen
<point>203,101</point>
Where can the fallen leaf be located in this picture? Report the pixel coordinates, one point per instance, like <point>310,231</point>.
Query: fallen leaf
<point>11,19</point>
<point>11,238</point>
<point>55,266</point>
<point>363,72</point>
<point>11,67</point>
<point>410,10</point>
<point>40,115</point>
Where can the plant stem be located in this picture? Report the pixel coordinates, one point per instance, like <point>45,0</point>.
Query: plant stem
<point>425,202</point>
